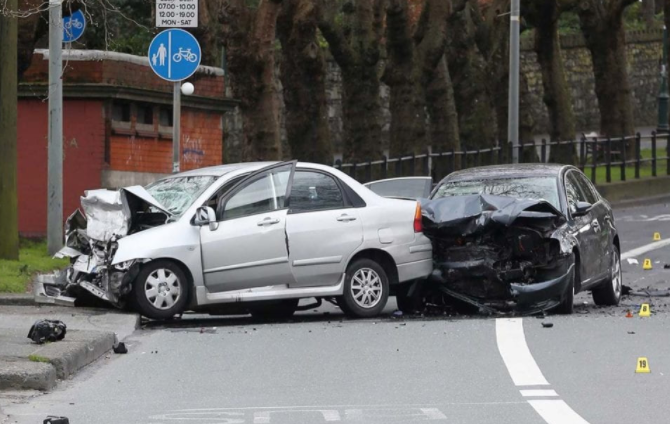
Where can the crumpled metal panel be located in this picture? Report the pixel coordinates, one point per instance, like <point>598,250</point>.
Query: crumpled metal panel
<point>477,214</point>
<point>107,214</point>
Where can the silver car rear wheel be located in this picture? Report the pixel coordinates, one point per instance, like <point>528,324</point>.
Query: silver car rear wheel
<point>366,288</point>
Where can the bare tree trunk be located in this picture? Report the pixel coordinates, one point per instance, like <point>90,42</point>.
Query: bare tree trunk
<point>469,75</point>
<point>303,77</point>
<point>402,75</point>
<point>544,18</point>
<point>354,42</point>
<point>602,26</point>
<point>648,10</point>
<point>442,110</point>
<point>250,36</point>
<point>9,224</point>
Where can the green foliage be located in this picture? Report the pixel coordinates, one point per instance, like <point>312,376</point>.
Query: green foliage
<point>38,358</point>
<point>125,26</point>
<point>33,259</point>
<point>633,20</point>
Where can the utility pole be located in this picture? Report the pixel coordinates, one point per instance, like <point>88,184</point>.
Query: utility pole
<point>663,91</point>
<point>513,110</point>
<point>55,151</point>
<point>176,126</point>
<point>9,221</point>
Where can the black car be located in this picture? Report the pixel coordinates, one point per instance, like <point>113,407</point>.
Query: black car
<point>519,237</point>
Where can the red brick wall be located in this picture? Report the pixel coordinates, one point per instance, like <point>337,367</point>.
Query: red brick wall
<point>201,145</point>
<point>121,73</point>
<point>83,152</point>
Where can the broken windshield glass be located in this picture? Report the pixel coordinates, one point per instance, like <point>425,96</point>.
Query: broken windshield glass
<point>178,193</point>
<point>536,188</point>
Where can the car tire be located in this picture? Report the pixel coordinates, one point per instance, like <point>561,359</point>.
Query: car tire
<point>282,309</point>
<point>409,304</point>
<point>366,289</point>
<point>161,290</point>
<point>567,305</point>
<point>609,292</point>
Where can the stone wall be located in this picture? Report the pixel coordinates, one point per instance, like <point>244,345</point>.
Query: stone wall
<point>643,50</point>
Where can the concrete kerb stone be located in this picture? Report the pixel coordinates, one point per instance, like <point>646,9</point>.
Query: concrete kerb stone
<point>63,359</point>
<point>78,349</point>
<point>26,375</point>
<point>17,299</point>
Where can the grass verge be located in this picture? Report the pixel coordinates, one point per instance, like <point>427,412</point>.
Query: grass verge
<point>38,358</point>
<point>33,259</point>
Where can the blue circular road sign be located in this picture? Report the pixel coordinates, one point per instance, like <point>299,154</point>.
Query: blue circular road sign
<point>74,26</point>
<point>174,54</point>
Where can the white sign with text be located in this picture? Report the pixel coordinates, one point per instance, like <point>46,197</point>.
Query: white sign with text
<point>176,13</point>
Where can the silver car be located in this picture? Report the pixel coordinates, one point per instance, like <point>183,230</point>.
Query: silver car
<point>250,237</point>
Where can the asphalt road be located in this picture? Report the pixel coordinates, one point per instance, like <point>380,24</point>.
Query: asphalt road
<point>322,368</point>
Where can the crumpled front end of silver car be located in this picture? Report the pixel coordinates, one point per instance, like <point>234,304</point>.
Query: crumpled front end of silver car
<point>91,243</point>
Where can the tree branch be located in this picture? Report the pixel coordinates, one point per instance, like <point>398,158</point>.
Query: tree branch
<point>326,12</point>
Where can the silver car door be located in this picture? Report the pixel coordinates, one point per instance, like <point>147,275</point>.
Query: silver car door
<point>323,229</point>
<point>248,249</point>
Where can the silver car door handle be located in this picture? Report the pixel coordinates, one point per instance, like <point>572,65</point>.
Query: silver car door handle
<point>346,218</point>
<point>267,221</point>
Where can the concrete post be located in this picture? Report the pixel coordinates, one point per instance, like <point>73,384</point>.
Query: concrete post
<point>55,150</point>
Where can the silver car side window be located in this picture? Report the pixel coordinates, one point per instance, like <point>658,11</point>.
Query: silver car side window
<point>314,191</point>
<point>256,197</point>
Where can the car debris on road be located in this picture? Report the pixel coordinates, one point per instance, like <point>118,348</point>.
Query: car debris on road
<point>46,330</point>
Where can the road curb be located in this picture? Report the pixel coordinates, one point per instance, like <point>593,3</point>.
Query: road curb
<point>58,361</point>
<point>26,375</point>
<point>17,299</point>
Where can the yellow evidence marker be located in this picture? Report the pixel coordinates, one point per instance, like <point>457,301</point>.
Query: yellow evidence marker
<point>645,311</point>
<point>646,265</point>
<point>642,366</point>
<point>657,236</point>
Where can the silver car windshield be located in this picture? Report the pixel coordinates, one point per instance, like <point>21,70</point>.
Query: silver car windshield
<point>537,188</point>
<point>178,194</point>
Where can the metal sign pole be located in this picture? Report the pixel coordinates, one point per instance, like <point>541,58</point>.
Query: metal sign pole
<point>176,126</point>
<point>513,117</point>
<point>55,150</point>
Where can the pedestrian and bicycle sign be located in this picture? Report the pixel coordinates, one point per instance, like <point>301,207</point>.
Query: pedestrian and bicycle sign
<point>174,54</point>
<point>74,26</point>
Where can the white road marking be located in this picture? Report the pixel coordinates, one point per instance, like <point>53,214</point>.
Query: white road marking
<point>524,372</point>
<point>538,393</point>
<point>646,248</point>
<point>515,353</point>
<point>555,411</point>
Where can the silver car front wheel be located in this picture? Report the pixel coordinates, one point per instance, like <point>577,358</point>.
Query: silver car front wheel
<point>161,289</point>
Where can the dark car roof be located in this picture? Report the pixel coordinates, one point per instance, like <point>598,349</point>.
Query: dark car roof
<point>507,171</point>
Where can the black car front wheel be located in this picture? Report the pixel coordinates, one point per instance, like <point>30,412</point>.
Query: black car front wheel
<point>609,292</point>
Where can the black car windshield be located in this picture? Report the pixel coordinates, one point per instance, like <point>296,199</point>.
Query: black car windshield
<point>536,188</point>
<point>178,193</point>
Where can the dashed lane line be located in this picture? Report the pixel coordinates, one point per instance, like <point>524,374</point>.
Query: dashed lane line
<point>524,372</point>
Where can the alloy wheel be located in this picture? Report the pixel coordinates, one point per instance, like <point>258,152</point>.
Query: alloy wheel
<point>366,288</point>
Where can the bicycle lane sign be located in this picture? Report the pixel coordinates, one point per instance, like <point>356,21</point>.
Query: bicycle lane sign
<point>174,54</point>
<point>73,26</point>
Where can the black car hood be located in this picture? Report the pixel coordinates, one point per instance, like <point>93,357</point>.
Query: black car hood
<point>480,213</point>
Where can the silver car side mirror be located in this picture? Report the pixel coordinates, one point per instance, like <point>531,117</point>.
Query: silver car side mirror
<point>205,215</point>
